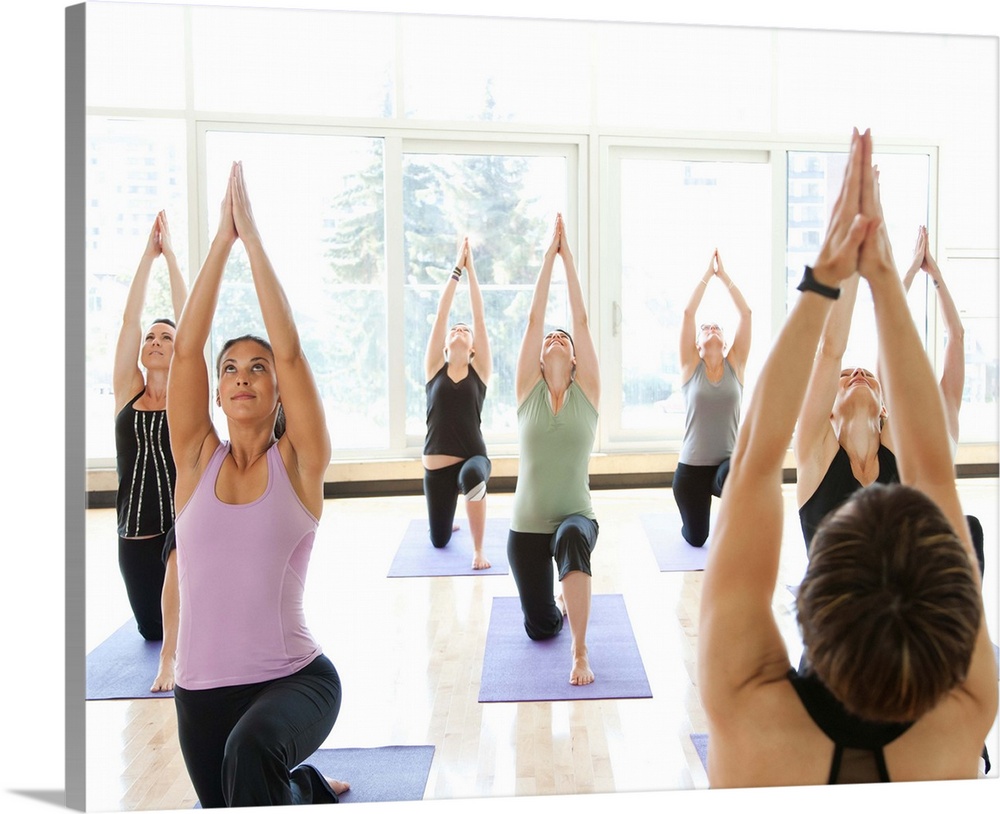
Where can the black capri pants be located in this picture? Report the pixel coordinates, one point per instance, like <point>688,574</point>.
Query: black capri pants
<point>693,488</point>
<point>243,745</point>
<point>441,489</point>
<point>531,556</point>
<point>142,569</point>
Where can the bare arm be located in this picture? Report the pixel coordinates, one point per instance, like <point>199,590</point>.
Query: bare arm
<point>739,645</point>
<point>170,610</point>
<point>178,286</point>
<point>922,451</point>
<point>814,441</point>
<point>588,374</point>
<point>127,379</point>
<point>528,368</point>
<point>483,360</point>
<point>434,355</point>
<point>739,348</point>
<point>306,431</point>
<point>952,382</point>
<point>688,345</point>
<point>188,412</point>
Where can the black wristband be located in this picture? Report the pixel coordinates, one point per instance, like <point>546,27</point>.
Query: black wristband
<point>458,271</point>
<point>809,284</point>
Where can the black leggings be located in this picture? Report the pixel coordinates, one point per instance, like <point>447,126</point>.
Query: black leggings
<point>693,488</point>
<point>242,745</point>
<point>441,488</point>
<point>141,564</point>
<point>531,556</point>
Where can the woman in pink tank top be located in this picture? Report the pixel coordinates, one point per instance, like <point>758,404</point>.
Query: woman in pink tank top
<point>254,694</point>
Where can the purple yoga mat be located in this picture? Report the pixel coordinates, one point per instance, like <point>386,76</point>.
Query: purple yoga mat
<point>123,666</point>
<point>416,557</point>
<point>515,668</point>
<point>700,741</point>
<point>384,774</point>
<point>671,550</point>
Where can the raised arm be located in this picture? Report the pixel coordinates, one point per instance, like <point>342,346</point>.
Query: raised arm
<point>306,432</point>
<point>923,453</point>
<point>483,360</point>
<point>126,378</point>
<point>739,348</point>
<point>920,436</point>
<point>588,374</point>
<point>188,412</point>
<point>739,645</point>
<point>688,346</point>
<point>952,383</point>
<point>434,355</point>
<point>528,369</point>
<point>814,442</point>
<point>178,286</point>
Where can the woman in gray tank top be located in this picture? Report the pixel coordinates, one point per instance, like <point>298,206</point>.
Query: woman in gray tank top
<point>713,389</point>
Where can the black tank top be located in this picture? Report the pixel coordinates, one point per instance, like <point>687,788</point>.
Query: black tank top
<point>858,744</point>
<point>837,485</point>
<point>146,472</point>
<point>454,415</point>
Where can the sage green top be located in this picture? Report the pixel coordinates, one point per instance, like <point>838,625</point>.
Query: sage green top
<point>552,479</point>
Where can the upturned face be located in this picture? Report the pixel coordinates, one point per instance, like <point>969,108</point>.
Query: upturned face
<point>860,387</point>
<point>157,346</point>
<point>248,384</point>
<point>710,335</point>
<point>458,344</point>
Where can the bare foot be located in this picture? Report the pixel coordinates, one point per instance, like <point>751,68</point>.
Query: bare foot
<point>581,673</point>
<point>164,681</point>
<point>479,561</point>
<point>561,604</point>
<point>338,786</point>
<point>455,527</point>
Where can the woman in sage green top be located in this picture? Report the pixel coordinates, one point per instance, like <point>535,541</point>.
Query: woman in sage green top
<point>558,387</point>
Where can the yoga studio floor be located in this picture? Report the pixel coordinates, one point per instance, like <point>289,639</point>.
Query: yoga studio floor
<point>410,651</point>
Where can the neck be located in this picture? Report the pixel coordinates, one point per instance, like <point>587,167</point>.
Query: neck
<point>156,385</point>
<point>861,437</point>
<point>248,444</point>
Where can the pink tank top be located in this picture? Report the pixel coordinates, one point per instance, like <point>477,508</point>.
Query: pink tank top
<point>241,572</point>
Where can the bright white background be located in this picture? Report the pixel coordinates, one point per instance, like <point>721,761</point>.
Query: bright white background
<point>32,227</point>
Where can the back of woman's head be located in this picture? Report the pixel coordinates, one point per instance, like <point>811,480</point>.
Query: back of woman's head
<point>889,608</point>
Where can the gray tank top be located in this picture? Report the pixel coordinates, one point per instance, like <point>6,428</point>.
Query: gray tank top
<point>713,416</point>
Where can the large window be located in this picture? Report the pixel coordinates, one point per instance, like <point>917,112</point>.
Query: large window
<point>506,205</point>
<point>373,142</point>
<point>672,212</point>
<point>135,168</point>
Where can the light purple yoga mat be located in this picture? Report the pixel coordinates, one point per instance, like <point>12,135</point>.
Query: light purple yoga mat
<point>663,530</point>
<point>123,666</point>
<point>700,741</point>
<point>384,774</point>
<point>515,668</point>
<point>416,557</point>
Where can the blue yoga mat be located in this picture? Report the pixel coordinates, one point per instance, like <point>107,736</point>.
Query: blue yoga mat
<point>672,552</point>
<point>515,668</point>
<point>123,666</point>
<point>416,557</point>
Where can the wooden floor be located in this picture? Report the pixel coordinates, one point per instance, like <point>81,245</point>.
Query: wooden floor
<point>410,652</point>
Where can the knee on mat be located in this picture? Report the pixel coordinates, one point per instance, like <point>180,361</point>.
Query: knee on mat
<point>538,632</point>
<point>439,539</point>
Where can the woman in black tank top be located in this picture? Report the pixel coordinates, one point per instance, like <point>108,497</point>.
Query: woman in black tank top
<point>146,472</point>
<point>457,366</point>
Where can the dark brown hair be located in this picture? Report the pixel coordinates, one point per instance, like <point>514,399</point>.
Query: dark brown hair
<point>890,607</point>
<point>279,421</point>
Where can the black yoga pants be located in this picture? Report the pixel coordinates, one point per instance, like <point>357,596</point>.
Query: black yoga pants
<point>141,566</point>
<point>441,489</point>
<point>693,488</point>
<point>531,558</point>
